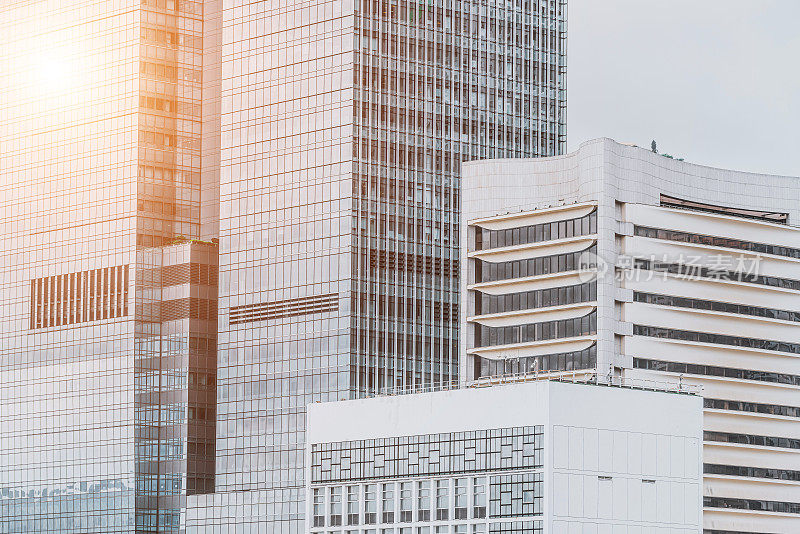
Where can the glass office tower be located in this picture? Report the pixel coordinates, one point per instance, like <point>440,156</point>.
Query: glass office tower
<point>107,332</point>
<point>344,124</point>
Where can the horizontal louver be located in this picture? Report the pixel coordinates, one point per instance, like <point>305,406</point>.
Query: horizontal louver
<point>284,308</point>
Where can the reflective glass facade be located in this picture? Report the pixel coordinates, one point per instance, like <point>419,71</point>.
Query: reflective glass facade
<point>107,336</point>
<point>344,125</point>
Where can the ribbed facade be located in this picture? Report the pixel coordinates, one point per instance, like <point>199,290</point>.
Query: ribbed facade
<point>344,125</point>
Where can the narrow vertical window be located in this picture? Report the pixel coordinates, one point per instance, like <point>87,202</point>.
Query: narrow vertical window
<point>370,504</point>
<point>335,518</point>
<point>406,503</point>
<point>460,498</point>
<point>424,500</point>
<point>442,500</point>
<point>318,507</point>
<point>352,505</point>
<point>479,497</point>
<point>387,506</point>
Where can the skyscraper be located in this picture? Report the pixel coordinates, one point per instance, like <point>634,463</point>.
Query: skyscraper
<point>338,130</point>
<point>619,264</point>
<point>108,331</point>
<point>343,128</point>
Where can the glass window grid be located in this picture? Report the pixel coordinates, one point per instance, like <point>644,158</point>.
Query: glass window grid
<point>695,271</point>
<point>492,496</point>
<point>499,527</point>
<point>719,339</point>
<point>488,336</point>
<point>716,241</point>
<point>515,495</point>
<point>429,454</point>
<point>710,370</point>
<point>726,307</point>
<point>565,361</point>
<point>754,407</point>
<point>540,298</point>
<point>752,472</point>
<point>406,190</point>
<point>434,500</point>
<point>375,183</point>
<point>486,271</point>
<point>536,233</point>
<point>752,439</point>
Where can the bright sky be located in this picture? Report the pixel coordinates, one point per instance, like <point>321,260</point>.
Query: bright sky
<point>714,81</point>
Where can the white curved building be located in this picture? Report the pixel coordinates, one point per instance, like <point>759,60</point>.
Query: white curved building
<point>630,265</point>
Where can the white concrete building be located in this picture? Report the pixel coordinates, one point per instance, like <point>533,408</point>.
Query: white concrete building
<point>526,457</point>
<point>696,279</point>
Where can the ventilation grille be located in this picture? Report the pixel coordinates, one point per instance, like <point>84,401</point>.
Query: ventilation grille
<point>394,261</point>
<point>284,308</point>
<point>72,298</point>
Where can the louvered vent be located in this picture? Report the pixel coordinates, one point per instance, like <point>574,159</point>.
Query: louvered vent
<point>284,308</point>
<point>85,296</point>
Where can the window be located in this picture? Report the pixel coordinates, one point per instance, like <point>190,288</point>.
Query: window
<point>426,455</point>
<point>387,506</point>
<point>479,497</point>
<point>490,272</point>
<point>370,504</point>
<point>727,307</point>
<point>752,504</point>
<point>755,407</point>
<point>750,439</point>
<point>486,336</point>
<point>487,239</point>
<point>406,504</point>
<point>541,298</point>
<point>753,472</point>
<point>460,498</point>
<point>719,339</point>
<point>336,506</point>
<point>695,271</point>
<point>715,241</point>
<point>442,500</point>
<point>690,205</point>
<point>352,505</point>
<point>710,370</point>
<point>516,495</point>
<point>318,503</point>
<point>424,500</point>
